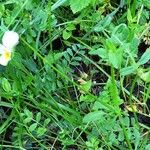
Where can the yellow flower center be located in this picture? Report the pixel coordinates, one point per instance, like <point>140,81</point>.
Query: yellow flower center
<point>7,54</point>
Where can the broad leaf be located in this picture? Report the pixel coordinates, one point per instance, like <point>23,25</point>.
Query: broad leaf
<point>120,34</point>
<point>78,5</point>
<point>128,70</point>
<point>115,55</point>
<point>115,58</point>
<point>101,52</point>
<point>93,116</point>
<point>6,85</point>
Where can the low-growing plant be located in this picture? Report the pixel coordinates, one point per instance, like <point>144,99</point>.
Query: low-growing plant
<point>74,74</point>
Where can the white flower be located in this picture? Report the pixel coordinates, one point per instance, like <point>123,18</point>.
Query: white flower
<point>9,41</point>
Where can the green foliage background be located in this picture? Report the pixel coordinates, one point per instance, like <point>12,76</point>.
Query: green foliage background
<point>79,77</point>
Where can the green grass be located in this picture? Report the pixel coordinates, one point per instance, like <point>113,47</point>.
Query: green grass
<point>79,77</point>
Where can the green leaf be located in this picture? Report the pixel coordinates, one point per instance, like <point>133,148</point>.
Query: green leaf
<point>27,120</point>
<point>120,34</point>
<point>121,136</point>
<point>28,113</point>
<point>2,10</point>
<point>57,4</point>
<point>75,63</point>
<point>125,121</point>
<point>147,147</point>
<point>57,56</point>
<point>38,117</point>
<point>41,131</point>
<point>145,76</point>
<point>146,3</point>
<point>86,98</point>
<point>86,86</point>
<point>145,57</point>
<point>115,55</point>
<point>66,55</point>
<point>112,138</point>
<point>110,45</point>
<point>101,52</point>
<point>114,94</point>
<point>33,127</point>
<point>129,16</point>
<point>103,24</point>
<point>78,5</point>
<point>66,34</point>
<point>115,58</point>
<point>53,57</point>
<point>46,122</point>
<point>6,85</point>
<point>31,65</point>
<point>93,116</point>
<point>71,27</point>
<point>128,70</point>
<point>69,51</point>
<point>134,46</point>
<point>5,104</point>
<point>97,105</point>
<point>77,58</point>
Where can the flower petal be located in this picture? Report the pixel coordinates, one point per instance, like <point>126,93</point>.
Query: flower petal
<point>2,48</point>
<point>3,61</point>
<point>10,39</point>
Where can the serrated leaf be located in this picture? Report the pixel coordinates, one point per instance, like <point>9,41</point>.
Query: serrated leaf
<point>78,5</point>
<point>86,98</point>
<point>93,116</point>
<point>33,127</point>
